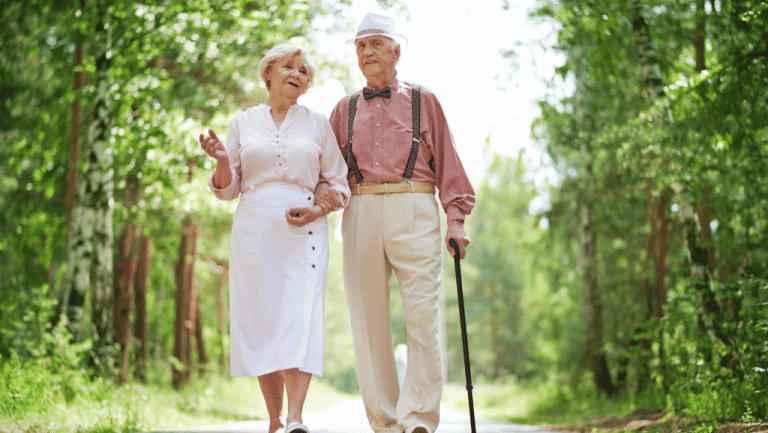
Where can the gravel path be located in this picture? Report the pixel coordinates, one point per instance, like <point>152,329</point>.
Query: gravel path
<point>348,416</point>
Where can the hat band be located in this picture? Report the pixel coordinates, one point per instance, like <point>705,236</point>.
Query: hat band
<point>371,32</point>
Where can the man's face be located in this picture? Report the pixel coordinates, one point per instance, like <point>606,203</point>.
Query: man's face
<point>377,56</point>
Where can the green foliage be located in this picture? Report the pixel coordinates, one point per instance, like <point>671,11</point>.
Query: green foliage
<point>701,139</point>
<point>25,388</point>
<point>712,379</point>
<point>175,69</point>
<point>500,278</point>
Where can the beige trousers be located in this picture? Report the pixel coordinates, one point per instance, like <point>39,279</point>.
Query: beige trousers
<point>382,233</point>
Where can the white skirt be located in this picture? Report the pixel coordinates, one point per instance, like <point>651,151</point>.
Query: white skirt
<point>276,284</point>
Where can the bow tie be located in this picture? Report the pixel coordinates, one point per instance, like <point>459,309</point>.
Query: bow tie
<point>385,92</point>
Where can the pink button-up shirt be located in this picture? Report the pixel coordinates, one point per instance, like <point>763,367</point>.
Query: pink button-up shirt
<point>382,138</point>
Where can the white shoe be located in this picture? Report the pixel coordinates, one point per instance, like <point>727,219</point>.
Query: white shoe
<point>296,427</point>
<point>418,428</point>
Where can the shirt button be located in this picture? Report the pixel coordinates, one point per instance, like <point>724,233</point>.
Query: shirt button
<point>313,248</point>
<point>309,198</point>
<point>378,105</point>
<point>313,266</point>
<point>377,143</point>
<point>377,163</point>
<point>377,124</point>
<point>310,232</point>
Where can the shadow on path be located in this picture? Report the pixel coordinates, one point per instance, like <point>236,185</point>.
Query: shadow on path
<point>348,416</point>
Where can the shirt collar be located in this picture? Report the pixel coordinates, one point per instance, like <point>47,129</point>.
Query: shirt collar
<point>394,84</point>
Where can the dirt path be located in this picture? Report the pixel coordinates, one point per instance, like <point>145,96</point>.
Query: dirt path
<point>348,416</point>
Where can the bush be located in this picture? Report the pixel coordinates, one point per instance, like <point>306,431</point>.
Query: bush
<point>25,387</point>
<point>709,376</point>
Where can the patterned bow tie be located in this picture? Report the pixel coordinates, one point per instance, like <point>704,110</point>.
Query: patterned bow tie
<point>386,92</point>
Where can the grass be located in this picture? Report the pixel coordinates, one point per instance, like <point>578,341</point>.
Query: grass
<point>560,408</point>
<point>102,407</point>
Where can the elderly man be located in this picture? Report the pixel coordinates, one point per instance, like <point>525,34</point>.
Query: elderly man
<point>398,148</point>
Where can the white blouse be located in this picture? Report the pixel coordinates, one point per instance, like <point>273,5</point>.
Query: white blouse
<point>298,152</point>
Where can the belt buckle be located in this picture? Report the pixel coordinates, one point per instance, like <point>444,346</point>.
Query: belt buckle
<point>380,188</point>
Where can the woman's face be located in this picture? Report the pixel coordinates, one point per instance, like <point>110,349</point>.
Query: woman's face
<point>288,77</point>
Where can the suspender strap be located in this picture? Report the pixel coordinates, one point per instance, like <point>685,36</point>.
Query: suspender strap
<point>416,116</point>
<point>352,160</point>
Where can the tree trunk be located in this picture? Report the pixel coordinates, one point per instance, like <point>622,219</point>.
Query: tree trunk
<point>493,322</point>
<point>186,304</point>
<point>124,280</point>
<point>75,128</point>
<point>90,236</point>
<point>99,177</point>
<point>141,329</point>
<point>222,315</point>
<point>661,223</point>
<point>594,344</point>
<point>595,350</point>
<point>703,208</point>
<point>646,50</point>
<point>202,355</point>
<point>652,90</point>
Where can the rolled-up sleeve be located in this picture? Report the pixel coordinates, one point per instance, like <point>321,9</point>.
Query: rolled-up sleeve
<point>333,168</point>
<point>231,191</point>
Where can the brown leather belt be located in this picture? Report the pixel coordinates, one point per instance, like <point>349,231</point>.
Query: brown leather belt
<point>392,188</point>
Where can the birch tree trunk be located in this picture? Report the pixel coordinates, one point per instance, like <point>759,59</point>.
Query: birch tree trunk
<point>90,237</point>
<point>100,188</point>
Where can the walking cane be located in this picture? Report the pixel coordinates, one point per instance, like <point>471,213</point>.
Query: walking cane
<point>452,242</point>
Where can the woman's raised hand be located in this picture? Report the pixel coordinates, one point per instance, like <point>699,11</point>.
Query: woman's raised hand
<point>214,147</point>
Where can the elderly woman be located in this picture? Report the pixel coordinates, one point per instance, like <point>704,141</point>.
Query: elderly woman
<point>273,159</point>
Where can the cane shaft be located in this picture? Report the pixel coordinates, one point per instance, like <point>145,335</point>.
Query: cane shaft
<point>465,343</point>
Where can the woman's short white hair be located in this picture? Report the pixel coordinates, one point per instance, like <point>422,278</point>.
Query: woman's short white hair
<point>281,51</point>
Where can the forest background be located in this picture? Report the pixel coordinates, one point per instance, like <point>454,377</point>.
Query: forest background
<point>636,273</point>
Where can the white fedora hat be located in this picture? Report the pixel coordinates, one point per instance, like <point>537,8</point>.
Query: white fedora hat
<point>378,25</point>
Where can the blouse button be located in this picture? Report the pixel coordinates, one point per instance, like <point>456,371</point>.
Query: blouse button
<point>310,232</point>
<point>313,248</point>
<point>313,266</point>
